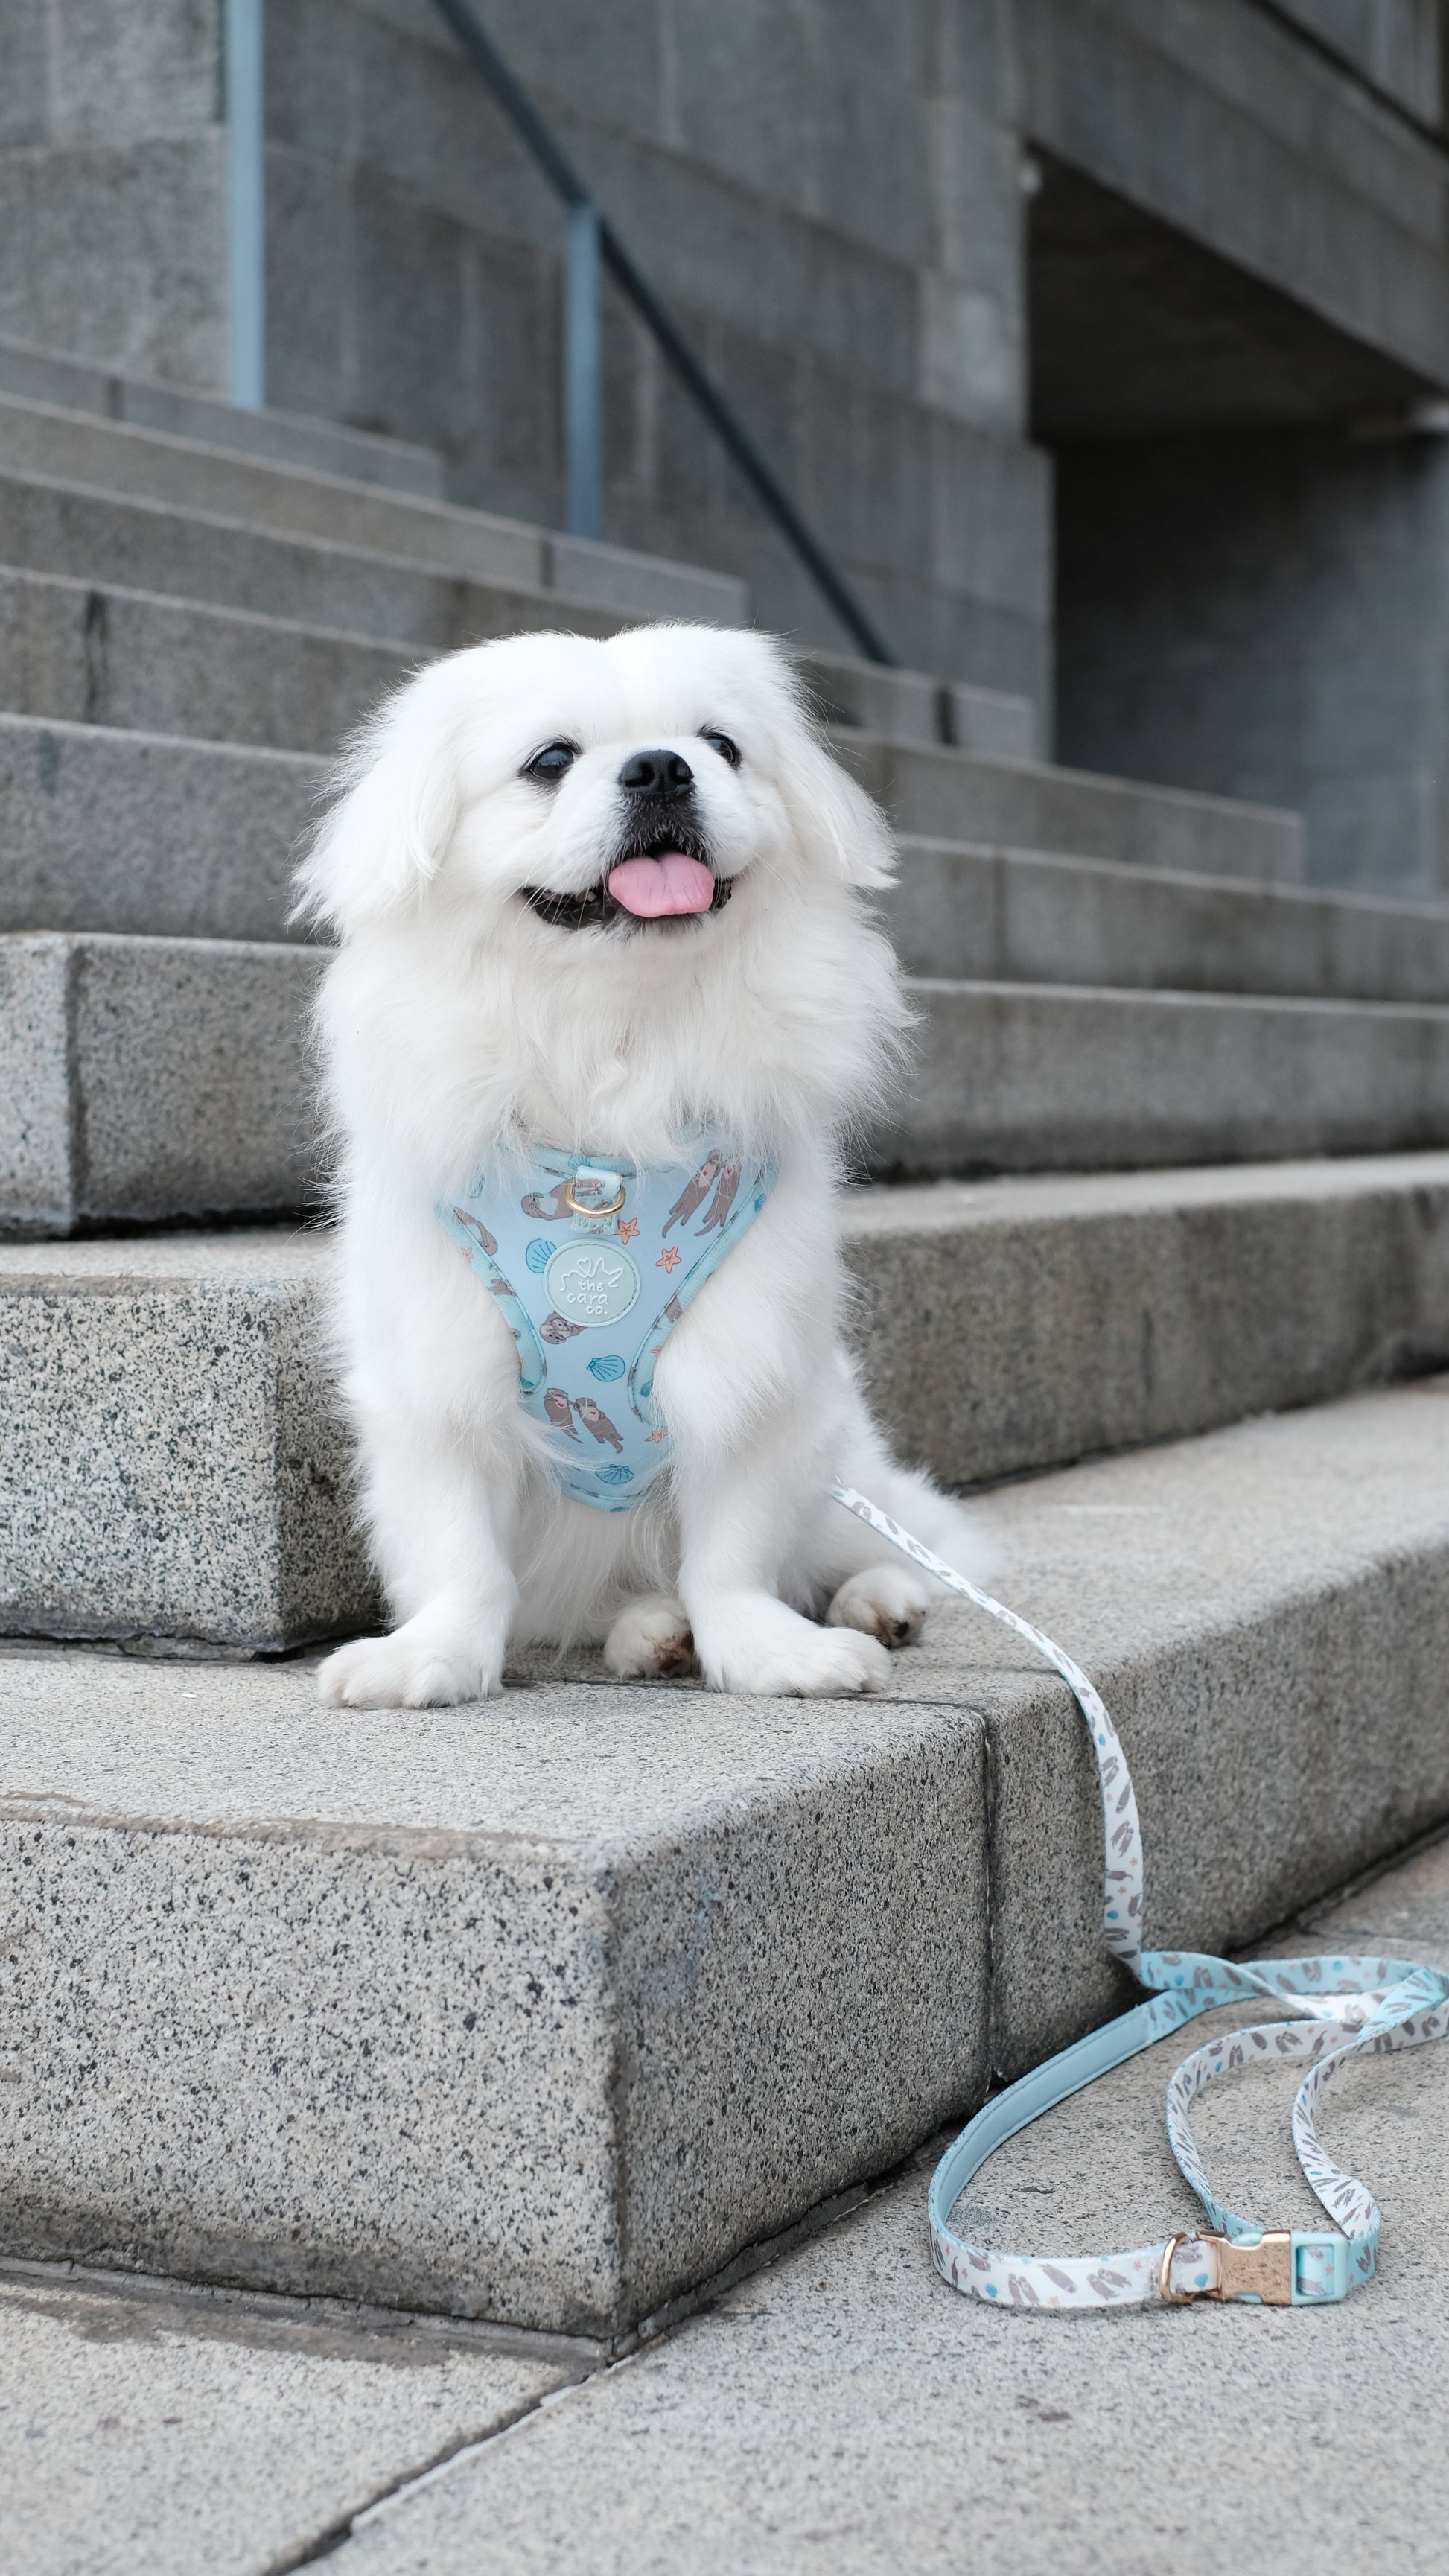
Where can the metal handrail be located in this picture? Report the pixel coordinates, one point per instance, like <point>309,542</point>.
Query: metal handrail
<point>591,239</point>
<point>246,207</point>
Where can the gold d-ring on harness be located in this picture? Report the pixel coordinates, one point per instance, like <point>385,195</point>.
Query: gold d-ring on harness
<point>597,1208</point>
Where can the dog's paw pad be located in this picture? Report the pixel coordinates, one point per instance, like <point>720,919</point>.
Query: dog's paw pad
<point>884,1601</point>
<point>650,1640</point>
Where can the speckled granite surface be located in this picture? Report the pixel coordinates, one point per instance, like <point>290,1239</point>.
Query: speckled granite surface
<point>146,1080</point>
<point>544,2008</point>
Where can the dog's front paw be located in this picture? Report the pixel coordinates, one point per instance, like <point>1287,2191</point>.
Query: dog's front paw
<point>409,1669</point>
<point>885,1601</point>
<point>769,1652</point>
<point>650,1638</point>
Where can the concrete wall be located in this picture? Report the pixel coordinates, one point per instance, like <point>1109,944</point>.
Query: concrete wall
<point>1396,44</point>
<point>112,200</point>
<point>1214,117</point>
<point>1266,614</point>
<point>1239,302</point>
<point>826,190</point>
<point>1233,235</point>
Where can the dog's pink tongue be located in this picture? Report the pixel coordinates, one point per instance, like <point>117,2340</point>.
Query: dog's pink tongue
<point>653,887</point>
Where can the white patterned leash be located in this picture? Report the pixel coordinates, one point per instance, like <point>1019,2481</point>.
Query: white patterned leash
<point>1338,2006</point>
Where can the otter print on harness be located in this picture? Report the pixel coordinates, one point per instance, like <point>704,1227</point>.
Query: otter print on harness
<point>1337,2006</point>
<point>592,1262</point>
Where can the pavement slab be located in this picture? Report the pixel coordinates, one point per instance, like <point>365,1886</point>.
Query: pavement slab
<point>846,2411</point>
<point>840,2410</point>
<point>156,2429</point>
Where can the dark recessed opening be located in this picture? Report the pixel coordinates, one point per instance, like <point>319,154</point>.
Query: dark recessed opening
<point>1244,506</point>
<point>1136,331</point>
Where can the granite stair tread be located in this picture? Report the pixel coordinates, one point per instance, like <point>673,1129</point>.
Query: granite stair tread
<point>122,829</point>
<point>541,2010</point>
<point>1029,916</point>
<point>938,792</point>
<point>174,1472</point>
<point>151,1079</point>
<point>63,531</point>
<point>86,651</point>
<point>148,835</point>
<point>41,375</point>
<point>118,458</point>
<point>1033,1077</point>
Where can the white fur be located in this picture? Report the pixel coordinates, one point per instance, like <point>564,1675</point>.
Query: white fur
<point>453,1018</point>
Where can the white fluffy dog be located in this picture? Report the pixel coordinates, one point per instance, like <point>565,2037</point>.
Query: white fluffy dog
<point>505,980</point>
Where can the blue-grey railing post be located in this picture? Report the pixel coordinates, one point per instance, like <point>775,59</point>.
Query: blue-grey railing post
<point>246,222</point>
<point>582,375</point>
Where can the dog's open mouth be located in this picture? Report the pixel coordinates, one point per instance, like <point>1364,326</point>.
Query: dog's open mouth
<point>667,878</point>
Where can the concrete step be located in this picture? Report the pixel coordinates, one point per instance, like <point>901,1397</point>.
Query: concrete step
<point>197,1496</point>
<point>105,542</point>
<point>89,652</point>
<point>284,437</point>
<point>1023,1077</point>
<point>148,833</point>
<point>142,1080</point>
<point>157,1078</point>
<point>175,1473</point>
<point>1022,1323</point>
<point>1020,916</point>
<point>108,457</point>
<point>913,707</point>
<point>542,2010</point>
<point>105,538</point>
<point>125,830</point>
<point>945,795</point>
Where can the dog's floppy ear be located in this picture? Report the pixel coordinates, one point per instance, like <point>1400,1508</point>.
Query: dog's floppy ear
<point>839,823</point>
<point>836,824</point>
<point>395,806</point>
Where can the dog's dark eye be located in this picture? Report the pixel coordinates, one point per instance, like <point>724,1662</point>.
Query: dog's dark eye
<point>549,765</point>
<point>721,743</point>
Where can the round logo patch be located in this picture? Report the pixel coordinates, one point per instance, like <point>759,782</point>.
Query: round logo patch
<point>591,1281</point>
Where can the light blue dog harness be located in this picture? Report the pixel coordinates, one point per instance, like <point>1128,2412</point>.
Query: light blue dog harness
<point>593,1261</point>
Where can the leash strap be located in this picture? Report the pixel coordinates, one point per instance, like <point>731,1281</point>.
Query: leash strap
<point>1338,2006</point>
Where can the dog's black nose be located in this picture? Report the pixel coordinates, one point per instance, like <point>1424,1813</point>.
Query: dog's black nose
<point>656,773</point>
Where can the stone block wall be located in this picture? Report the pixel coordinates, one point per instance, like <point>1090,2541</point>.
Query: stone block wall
<point>1128,409</point>
<point>1396,44</point>
<point>112,183</point>
<point>827,193</point>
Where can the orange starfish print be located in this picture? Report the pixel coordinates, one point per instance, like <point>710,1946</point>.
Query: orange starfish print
<point>652,1436</point>
<point>626,1229</point>
<point>668,1259</point>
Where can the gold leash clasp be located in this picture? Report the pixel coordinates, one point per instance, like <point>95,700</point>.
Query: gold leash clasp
<point>1261,2271</point>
